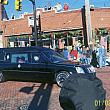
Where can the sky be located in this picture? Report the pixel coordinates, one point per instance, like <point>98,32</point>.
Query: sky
<point>73,4</point>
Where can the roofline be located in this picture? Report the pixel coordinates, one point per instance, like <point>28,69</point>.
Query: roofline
<point>18,34</point>
<point>58,30</point>
<point>79,9</point>
<point>72,10</point>
<point>101,7</point>
<point>66,29</point>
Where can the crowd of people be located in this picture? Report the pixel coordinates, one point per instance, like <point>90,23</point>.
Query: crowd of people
<point>95,56</point>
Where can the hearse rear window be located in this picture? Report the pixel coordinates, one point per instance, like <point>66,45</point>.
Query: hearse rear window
<point>19,58</point>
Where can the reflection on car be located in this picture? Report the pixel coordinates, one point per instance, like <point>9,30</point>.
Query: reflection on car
<point>38,64</point>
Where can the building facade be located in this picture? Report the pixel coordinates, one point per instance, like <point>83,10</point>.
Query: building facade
<point>57,27</point>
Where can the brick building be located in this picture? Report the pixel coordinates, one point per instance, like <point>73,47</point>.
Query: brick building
<point>18,31</point>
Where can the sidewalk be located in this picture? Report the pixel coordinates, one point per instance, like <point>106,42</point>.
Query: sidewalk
<point>103,69</point>
<point>108,54</point>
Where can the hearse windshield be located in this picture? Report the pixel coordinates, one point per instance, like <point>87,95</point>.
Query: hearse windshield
<point>55,57</point>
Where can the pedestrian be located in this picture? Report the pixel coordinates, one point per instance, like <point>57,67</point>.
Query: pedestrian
<point>83,55</point>
<point>79,49</point>
<point>74,53</point>
<point>94,61</point>
<point>66,53</point>
<point>88,55</point>
<point>100,55</point>
<point>104,56</point>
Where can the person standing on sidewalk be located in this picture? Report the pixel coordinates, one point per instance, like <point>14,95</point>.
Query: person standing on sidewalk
<point>104,56</point>
<point>100,55</point>
<point>74,53</point>
<point>66,53</point>
<point>88,56</point>
<point>94,61</point>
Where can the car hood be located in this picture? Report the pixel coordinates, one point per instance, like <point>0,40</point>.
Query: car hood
<point>73,63</point>
<point>88,74</point>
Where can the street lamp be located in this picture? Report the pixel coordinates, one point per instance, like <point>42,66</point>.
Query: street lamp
<point>35,26</point>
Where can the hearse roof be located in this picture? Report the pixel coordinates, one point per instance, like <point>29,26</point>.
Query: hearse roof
<point>22,49</point>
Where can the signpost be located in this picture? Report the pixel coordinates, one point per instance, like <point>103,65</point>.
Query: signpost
<point>35,26</point>
<point>88,22</point>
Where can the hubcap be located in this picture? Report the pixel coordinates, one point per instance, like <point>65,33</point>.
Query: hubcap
<point>61,77</point>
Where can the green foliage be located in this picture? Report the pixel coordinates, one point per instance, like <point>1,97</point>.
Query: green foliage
<point>108,38</point>
<point>44,36</point>
<point>102,31</point>
<point>75,33</point>
<point>14,38</point>
<point>59,34</point>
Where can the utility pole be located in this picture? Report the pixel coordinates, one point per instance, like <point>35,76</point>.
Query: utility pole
<point>88,21</point>
<point>35,35</point>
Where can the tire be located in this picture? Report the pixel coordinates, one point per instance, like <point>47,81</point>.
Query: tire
<point>61,77</point>
<point>2,78</point>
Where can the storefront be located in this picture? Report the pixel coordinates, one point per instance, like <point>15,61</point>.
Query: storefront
<point>21,41</point>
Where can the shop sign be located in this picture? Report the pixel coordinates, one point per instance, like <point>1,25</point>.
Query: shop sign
<point>31,21</point>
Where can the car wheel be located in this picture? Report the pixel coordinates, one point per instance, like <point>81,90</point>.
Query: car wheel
<point>61,77</point>
<point>2,78</point>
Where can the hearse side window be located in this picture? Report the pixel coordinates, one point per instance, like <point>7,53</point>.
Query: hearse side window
<point>55,57</point>
<point>37,58</point>
<point>1,56</point>
<point>7,57</point>
<point>47,54</point>
<point>19,58</point>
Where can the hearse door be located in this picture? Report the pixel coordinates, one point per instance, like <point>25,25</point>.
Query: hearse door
<point>37,67</point>
<point>13,65</point>
<point>33,68</point>
<point>16,68</point>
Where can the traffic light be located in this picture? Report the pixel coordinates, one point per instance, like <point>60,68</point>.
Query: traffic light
<point>4,2</point>
<point>1,1</point>
<point>18,5</point>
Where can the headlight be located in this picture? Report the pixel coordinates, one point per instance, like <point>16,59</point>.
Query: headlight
<point>80,70</point>
<point>91,69</point>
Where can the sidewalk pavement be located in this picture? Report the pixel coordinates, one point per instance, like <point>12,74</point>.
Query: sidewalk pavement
<point>103,69</point>
<point>108,54</point>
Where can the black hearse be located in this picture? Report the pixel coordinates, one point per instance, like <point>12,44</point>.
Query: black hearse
<point>38,64</point>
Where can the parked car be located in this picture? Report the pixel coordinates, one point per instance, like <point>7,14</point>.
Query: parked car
<point>38,64</point>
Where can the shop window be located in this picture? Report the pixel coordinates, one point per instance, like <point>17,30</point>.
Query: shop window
<point>16,44</point>
<point>11,44</point>
<point>32,43</point>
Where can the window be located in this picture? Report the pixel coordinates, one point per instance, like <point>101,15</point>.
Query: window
<point>1,56</point>
<point>55,57</point>
<point>37,58</point>
<point>7,57</point>
<point>19,58</point>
